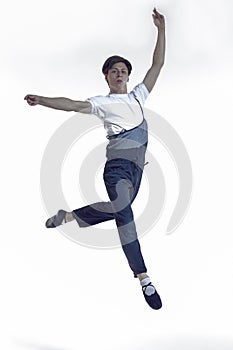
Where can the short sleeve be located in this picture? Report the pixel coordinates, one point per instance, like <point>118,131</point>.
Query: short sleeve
<point>90,100</point>
<point>141,93</point>
<point>96,103</point>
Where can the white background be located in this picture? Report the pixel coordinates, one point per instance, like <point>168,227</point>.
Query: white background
<point>58,295</point>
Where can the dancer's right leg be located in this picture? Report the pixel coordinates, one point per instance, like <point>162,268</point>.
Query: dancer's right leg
<point>86,216</point>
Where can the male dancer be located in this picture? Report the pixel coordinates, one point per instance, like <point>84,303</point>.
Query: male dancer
<point>123,118</point>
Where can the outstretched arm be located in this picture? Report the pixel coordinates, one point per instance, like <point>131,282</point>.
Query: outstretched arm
<point>61,103</point>
<point>159,52</point>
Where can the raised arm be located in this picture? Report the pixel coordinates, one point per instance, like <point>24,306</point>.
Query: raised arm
<point>159,52</point>
<point>61,103</point>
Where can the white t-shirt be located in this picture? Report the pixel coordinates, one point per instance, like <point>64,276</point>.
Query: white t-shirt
<point>120,111</point>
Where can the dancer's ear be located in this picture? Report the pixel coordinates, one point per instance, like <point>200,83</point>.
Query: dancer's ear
<point>106,78</point>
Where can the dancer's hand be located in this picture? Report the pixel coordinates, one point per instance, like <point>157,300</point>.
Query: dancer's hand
<point>32,100</point>
<point>159,20</point>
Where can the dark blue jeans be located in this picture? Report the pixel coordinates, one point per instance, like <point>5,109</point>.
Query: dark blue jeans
<point>122,179</point>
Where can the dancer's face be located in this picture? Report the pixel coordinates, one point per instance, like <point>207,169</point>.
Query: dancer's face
<point>117,78</point>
